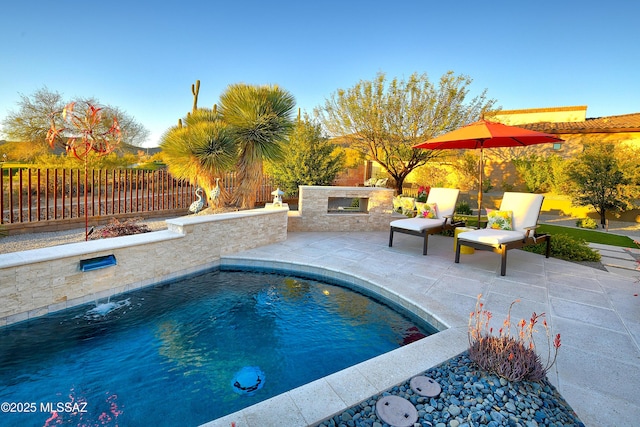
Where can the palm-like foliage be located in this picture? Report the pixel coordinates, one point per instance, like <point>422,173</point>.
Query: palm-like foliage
<point>201,150</point>
<point>260,118</point>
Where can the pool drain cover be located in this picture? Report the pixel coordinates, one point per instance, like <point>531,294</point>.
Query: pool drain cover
<point>396,411</point>
<point>425,386</point>
<point>248,380</point>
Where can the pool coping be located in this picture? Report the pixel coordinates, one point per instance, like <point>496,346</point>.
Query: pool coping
<point>580,302</point>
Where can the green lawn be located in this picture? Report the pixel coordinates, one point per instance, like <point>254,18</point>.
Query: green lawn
<point>590,236</point>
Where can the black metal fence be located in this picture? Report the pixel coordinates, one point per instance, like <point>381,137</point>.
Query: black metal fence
<point>32,195</point>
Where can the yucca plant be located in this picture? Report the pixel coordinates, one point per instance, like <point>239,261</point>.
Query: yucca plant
<point>200,150</point>
<point>260,118</point>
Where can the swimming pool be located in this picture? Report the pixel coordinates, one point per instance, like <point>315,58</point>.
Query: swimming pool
<point>189,351</point>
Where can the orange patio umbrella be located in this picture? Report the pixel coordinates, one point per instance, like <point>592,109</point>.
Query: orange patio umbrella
<point>486,134</point>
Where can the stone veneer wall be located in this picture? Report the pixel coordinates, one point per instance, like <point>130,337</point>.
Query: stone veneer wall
<point>40,281</point>
<point>313,206</point>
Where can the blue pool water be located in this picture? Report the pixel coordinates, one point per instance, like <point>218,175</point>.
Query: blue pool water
<point>186,352</point>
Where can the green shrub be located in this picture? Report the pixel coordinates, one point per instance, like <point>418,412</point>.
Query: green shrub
<point>507,186</point>
<point>567,248</point>
<point>587,223</point>
<point>541,173</point>
<point>463,208</point>
<point>486,185</point>
<point>150,166</point>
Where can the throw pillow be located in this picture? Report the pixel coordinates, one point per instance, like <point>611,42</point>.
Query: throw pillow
<point>382,182</point>
<point>408,205</point>
<point>429,210</point>
<point>397,204</point>
<point>499,220</point>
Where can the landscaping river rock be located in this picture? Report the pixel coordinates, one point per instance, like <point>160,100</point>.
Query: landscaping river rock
<point>471,397</point>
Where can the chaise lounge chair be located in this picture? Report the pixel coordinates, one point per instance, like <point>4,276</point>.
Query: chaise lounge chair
<point>512,226</point>
<point>437,220</point>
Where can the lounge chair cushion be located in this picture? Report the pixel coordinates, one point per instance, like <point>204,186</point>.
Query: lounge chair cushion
<point>499,220</point>
<point>417,224</point>
<point>525,207</point>
<point>446,199</point>
<point>492,236</point>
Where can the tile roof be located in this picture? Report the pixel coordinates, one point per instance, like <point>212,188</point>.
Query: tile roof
<point>541,110</point>
<point>608,124</point>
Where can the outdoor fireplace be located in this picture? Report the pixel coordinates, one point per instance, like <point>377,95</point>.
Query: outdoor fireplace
<point>351,205</point>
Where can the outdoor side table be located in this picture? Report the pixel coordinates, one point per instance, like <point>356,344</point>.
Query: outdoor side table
<point>463,249</point>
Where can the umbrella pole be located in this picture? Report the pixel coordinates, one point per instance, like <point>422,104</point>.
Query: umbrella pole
<point>480,186</point>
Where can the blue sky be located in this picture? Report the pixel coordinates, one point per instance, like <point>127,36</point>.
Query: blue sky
<point>143,56</point>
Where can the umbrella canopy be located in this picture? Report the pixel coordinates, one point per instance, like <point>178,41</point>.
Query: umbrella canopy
<point>486,134</point>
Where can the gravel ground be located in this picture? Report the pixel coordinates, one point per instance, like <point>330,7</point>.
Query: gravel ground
<point>24,242</point>
<point>470,397</point>
<point>27,241</point>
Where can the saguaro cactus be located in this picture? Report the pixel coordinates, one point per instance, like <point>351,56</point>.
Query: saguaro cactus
<point>195,89</point>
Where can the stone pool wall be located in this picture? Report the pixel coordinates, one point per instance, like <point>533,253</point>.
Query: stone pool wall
<point>40,281</point>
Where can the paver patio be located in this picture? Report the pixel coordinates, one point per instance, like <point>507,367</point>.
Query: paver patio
<point>595,311</point>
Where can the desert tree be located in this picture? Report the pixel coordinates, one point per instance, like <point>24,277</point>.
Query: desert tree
<point>599,181</point>
<point>134,134</point>
<point>385,119</point>
<point>32,120</point>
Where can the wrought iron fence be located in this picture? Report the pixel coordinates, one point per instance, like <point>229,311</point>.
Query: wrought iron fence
<point>32,195</point>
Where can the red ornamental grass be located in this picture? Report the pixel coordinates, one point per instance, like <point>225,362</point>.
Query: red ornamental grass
<point>116,228</point>
<point>511,356</point>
